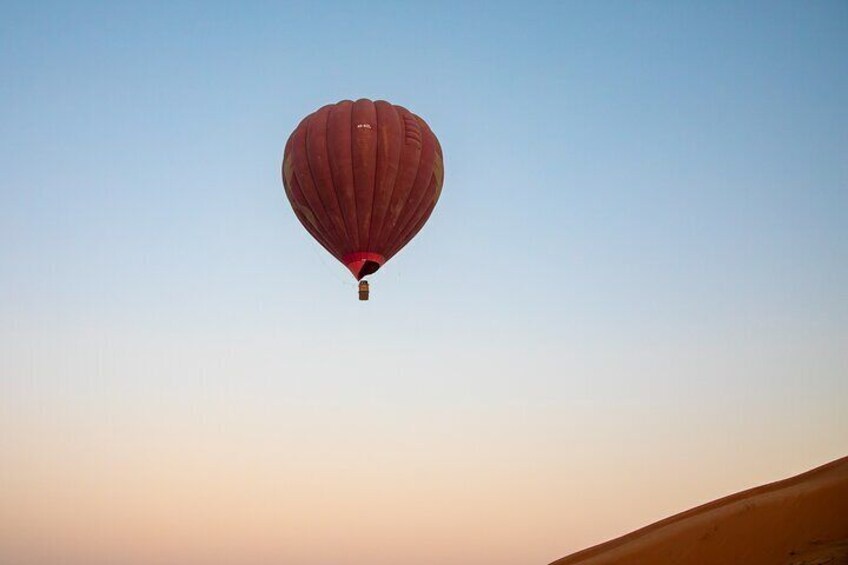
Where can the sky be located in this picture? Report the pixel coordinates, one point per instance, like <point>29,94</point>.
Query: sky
<point>631,298</point>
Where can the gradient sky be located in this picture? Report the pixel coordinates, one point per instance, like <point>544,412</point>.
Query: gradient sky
<point>632,297</point>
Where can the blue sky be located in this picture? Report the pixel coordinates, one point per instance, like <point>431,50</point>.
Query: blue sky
<point>644,220</point>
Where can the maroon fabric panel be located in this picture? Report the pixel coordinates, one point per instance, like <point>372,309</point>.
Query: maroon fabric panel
<point>389,142</point>
<point>419,187</point>
<point>410,155</point>
<point>364,142</point>
<point>307,218</point>
<point>413,232</point>
<point>322,177</point>
<point>341,165</point>
<point>288,171</point>
<point>300,163</point>
<point>422,213</point>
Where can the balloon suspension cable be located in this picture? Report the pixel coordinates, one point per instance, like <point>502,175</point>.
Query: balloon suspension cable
<point>363,290</point>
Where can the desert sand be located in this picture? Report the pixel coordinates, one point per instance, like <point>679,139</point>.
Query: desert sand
<point>802,520</point>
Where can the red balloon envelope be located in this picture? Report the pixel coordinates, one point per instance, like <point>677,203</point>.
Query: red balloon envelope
<point>363,177</point>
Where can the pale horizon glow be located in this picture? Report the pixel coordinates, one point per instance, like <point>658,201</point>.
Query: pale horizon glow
<point>629,301</point>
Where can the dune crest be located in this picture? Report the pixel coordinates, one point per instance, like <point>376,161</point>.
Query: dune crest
<point>802,520</point>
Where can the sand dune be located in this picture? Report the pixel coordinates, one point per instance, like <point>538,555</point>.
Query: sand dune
<point>802,520</point>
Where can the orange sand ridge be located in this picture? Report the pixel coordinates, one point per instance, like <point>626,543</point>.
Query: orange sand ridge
<point>798,521</point>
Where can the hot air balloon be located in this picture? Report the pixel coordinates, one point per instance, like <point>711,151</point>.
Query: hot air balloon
<point>363,178</point>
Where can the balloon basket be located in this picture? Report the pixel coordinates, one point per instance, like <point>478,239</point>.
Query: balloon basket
<point>363,290</point>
